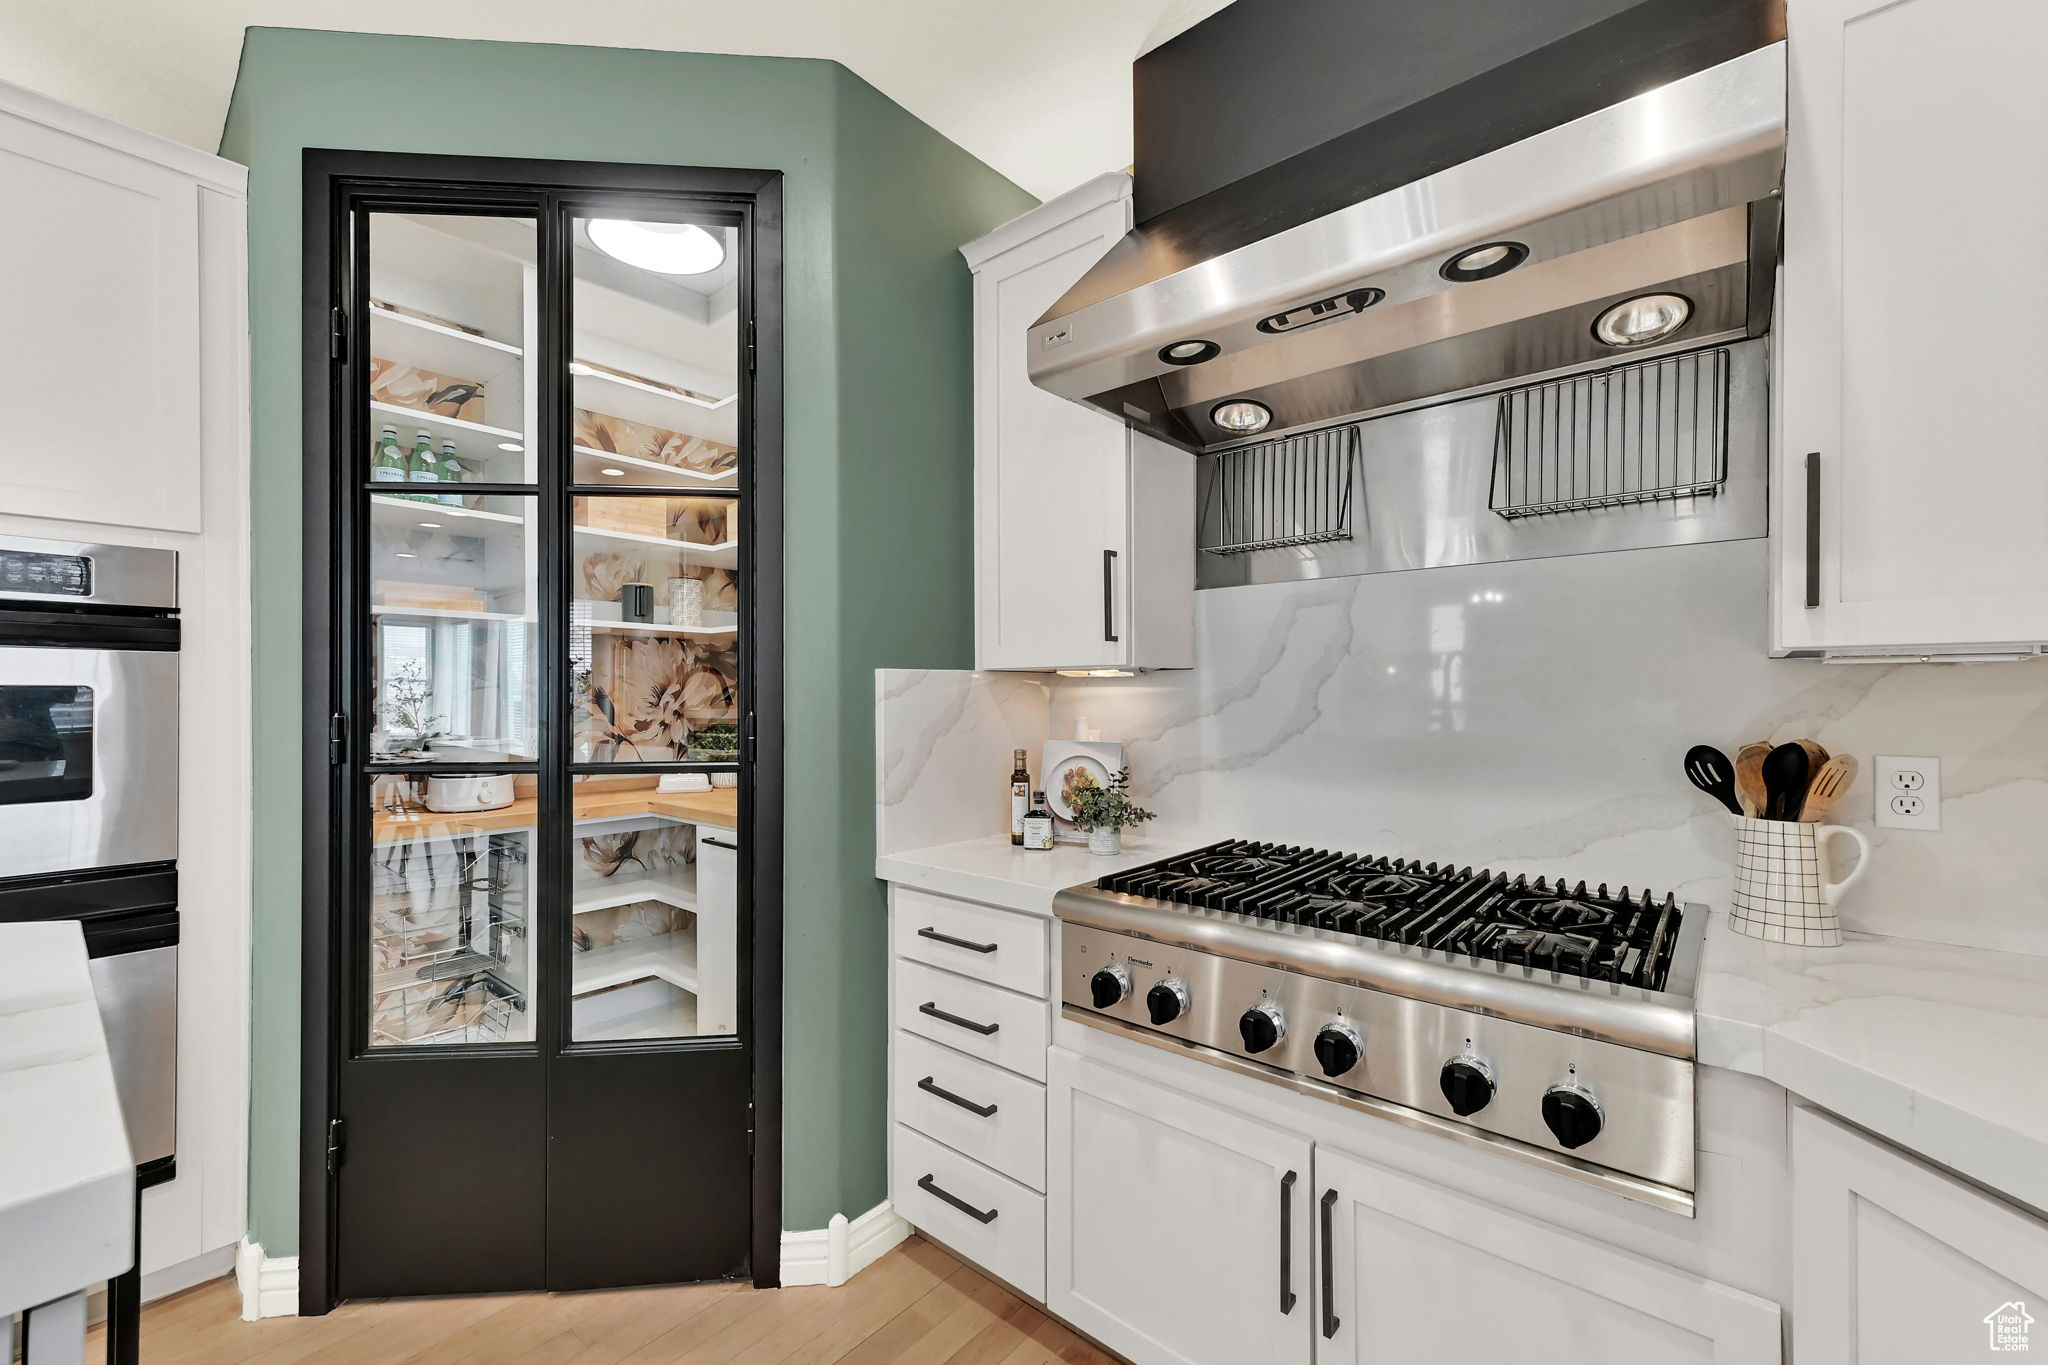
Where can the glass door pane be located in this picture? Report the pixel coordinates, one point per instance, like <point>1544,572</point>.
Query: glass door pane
<point>655,356</point>
<point>452,628</point>
<point>655,909</point>
<point>452,320</point>
<point>451,959</point>
<point>654,630</point>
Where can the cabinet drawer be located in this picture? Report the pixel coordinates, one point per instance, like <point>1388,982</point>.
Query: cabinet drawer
<point>1010,1138</point>
<point>980,1020</point>
<point>980,941</point>
<point>1009,1244</point>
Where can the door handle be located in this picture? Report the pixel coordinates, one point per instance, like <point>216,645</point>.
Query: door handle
<point>1109,595</point>
<point>931,1007</point>
<point>1812,530</point>
<point>1287,1244</point>
<point>969,945</point>
<point>929,1086</point>
<point>1330,1319</point>
<point>930,1186</point>
<point>720,843</point>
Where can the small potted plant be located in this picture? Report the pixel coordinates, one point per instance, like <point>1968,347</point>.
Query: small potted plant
<point>716,743</point>
<point>1105,812</point>
<point>409,724</point>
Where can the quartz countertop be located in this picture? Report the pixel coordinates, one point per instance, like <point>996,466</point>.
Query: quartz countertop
<point>67,1181</point>
<point>998,872</point>
<point>1936,1048</point>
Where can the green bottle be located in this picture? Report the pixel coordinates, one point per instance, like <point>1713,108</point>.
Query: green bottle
<point>388,464</point>
<point>449,470</point>
<point>422,470</point>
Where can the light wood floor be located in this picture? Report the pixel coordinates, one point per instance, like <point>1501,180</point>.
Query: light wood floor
<point>915,1306</point>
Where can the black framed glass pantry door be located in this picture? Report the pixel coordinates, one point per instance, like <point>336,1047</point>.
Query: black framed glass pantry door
<point>550,923</point>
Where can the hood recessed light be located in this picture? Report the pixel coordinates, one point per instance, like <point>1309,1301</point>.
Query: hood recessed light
<point>664,248</point>
<point>1642,320</point>
<point>1189,352</point>
<point>1484,262</point>
<point>1241,416</point>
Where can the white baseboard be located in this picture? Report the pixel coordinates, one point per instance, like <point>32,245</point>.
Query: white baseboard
<point>269,1284</point>
<point>834,1254</point>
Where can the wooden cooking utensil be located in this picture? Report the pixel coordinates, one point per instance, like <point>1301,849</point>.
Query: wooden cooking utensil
<point>1815,755</point>
<point>1786,776</point>
<point>1749,777</point>
<point>1836,776</point>
<point>1710,771</point>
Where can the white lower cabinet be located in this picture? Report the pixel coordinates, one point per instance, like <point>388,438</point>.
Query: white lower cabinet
<point>989,1218</point>
<point>1896,1263</point>
<point>1179,1232</point>
<point>1409,1271</point>
<point>1175,1230</point>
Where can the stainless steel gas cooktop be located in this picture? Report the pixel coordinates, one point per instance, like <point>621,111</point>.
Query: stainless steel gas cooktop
<point>1548,1021</point>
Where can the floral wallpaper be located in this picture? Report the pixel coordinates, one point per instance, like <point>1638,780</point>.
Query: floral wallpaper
<point>636,853</point>
<point>597,431</point>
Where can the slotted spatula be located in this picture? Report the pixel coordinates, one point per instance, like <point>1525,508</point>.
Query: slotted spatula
<point>1836,776</point>
<point>1709,770</point>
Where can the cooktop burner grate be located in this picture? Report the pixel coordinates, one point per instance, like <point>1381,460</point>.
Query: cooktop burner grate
<point>1551,926</point>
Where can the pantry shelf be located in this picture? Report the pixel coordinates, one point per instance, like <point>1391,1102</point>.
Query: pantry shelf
<point>438,424</point>
<point>591,465</point>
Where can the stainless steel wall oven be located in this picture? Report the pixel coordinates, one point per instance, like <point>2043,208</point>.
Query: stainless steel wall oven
<point>89,637</point>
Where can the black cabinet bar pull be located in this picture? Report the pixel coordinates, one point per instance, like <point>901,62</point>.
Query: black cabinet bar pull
<point>969,945</point>
<point>931,1007</point>
<point>926,1085</point>
<point>1109,595</point>
<point>1330,1320</point>
<point>720,843</point>
<point>1287,1243</point>
<point>929,1186</point>
<point>1812,530</point>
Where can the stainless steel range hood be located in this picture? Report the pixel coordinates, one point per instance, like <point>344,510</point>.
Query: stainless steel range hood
<point>1358,312</point>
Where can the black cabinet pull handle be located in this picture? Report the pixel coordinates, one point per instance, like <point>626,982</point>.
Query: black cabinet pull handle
<point>1287,1244</point>
<point>1330,1320</point>
<point>929,1186</point>
<point>926,1085</point>
<point>968,944</point>
<point>931,1007</point>
<point>1109,595</point>
<point>1812,530</point>
<point>720,843</point>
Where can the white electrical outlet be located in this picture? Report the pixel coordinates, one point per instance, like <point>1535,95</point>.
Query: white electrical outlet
<point>1907,792</point>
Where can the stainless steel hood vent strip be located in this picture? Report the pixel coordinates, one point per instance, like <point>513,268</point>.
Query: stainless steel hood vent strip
<point>1654,431</point>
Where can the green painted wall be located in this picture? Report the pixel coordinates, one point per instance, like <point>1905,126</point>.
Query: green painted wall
<point>879,480</point>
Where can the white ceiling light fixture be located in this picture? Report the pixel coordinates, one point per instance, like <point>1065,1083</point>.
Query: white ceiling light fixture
<point>664,248</point>
<point>1643,319</point>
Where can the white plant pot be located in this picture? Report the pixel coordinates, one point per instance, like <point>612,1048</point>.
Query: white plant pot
<point>1106,839</point>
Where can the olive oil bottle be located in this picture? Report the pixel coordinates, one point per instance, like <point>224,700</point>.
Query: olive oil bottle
<point>1020,796</point>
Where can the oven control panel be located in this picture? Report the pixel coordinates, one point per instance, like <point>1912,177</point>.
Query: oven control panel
<point>50,575</point>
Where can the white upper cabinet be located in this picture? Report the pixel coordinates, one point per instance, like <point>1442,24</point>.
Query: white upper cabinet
<point>1911,347</point>
<point>1896,1263</point>
<point>108,351</point>
<point>1084,532</point>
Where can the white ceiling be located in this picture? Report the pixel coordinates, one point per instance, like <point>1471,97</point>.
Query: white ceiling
<point>1039,89</point>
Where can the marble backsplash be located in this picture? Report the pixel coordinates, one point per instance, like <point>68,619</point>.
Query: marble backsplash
<point>1529,716</point>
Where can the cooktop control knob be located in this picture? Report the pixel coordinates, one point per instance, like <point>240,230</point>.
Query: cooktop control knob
<point>1338,1047</point>
<point>1110,985</point>
<point>1167,1001</point>
<point>1467,1083</point>
<point>1263,1025</point>
<point>1572,1112</point>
